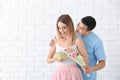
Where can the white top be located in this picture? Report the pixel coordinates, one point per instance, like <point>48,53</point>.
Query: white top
<point>67,61</point>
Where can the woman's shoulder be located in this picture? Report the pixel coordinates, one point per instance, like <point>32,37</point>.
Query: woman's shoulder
<point>78,39</point>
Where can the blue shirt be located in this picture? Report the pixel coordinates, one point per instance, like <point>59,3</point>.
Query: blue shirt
<point>95,51</point>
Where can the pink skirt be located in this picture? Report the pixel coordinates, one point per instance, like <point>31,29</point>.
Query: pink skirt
<point>67,72</point>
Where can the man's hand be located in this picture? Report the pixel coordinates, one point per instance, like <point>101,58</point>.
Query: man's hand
<point>88,69</point>
<point>52,42</point>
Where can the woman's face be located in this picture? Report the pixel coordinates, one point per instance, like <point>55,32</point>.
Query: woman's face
<point>63,28</point>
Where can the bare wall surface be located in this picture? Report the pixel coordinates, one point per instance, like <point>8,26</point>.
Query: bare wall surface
<point>26,27</point>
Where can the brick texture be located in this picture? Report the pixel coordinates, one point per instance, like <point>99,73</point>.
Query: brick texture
<point>27,26</point>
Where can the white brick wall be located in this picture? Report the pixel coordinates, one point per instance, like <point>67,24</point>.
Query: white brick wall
<point>26,27</point>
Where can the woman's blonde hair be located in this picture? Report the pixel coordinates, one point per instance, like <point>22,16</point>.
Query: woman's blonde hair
<point>66,19</point>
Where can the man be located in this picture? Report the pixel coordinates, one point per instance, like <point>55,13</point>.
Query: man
<point>93,46</point>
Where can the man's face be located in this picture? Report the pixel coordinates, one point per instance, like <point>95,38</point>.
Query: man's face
<point>81,29</point>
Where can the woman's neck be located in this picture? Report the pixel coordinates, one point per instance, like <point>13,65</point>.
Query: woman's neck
<point>65,37</point>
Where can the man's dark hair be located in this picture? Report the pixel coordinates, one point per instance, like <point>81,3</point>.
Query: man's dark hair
<point>89,21</point>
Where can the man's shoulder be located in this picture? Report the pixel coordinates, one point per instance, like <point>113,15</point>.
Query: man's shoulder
<point>78,35</point>
<point>96,37</point>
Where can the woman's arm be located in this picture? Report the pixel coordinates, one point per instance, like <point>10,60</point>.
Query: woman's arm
<point>50,57</point>
<point>81,48</point>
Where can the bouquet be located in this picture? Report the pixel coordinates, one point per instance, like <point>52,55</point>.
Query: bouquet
<point>60,56</point>
<point>75,55</point>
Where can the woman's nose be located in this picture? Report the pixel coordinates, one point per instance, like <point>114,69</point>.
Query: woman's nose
<point>62,30</point>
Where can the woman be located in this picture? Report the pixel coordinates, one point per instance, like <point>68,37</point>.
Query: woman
<point>66,40</point>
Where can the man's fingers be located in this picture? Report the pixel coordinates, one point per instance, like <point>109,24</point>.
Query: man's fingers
<point>51,42</point>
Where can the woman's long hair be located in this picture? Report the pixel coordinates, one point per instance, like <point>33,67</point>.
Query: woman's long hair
<point>66,19</point>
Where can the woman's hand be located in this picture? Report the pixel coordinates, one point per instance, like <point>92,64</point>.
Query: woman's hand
<point>69,50</point>
<point>58,60</point>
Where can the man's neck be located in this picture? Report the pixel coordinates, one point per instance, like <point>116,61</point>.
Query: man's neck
<point>87,33</point>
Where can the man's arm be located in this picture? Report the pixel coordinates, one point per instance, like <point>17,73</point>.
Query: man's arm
<point>99,66</point>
